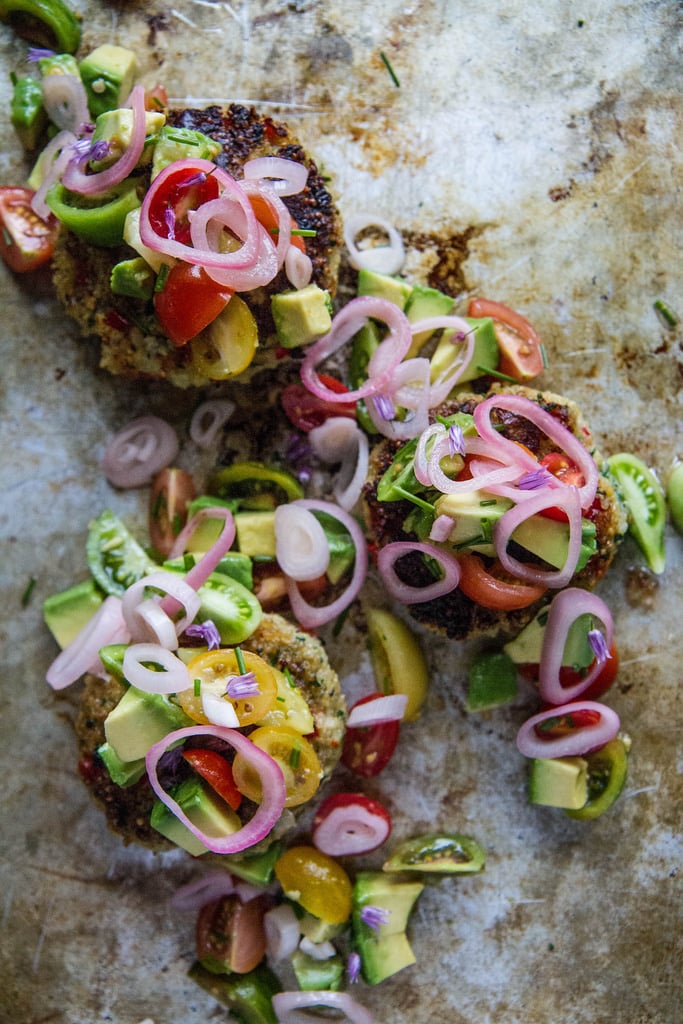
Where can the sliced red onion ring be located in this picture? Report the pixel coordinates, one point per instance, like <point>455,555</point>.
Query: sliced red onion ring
<point>408,389</point>
<point>65,101</point>
<point>498,474</point>
<point>389,708</point>
<point>205,889</point>
<point>219,711</point>
<point>284,218</point>
<point>287,1005</point>
<point>82,654</point>
<point>566,608</point>
<point>340,439</point>
<point>182,593</point>
<point>285,177</point>
<point>566,498</point>
<point>207,420</point>
<point>421,461</point>
<point>173,679</point>
<point>268,770</point>
<point>580,741</point>
<point>306,614</point>
<point>390,554</point>
<point>75,178</point>
<point>446,381</point>
<point>153,624</point>
<point>560,435</point>
<point>385,259</point>
<point>282,931</point>
<point>200,572</point>
<point>346,323</point>
<point>53,160</point>
<point>302,550</point>
<point>140,450</point>
<point>298,267</point>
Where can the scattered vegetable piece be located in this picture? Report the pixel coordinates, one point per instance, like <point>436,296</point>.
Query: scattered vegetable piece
<point>446,853</point>
<point>644,497</point>
<point>350,823</point>
<point>26,240</point>
<point>398,661</point>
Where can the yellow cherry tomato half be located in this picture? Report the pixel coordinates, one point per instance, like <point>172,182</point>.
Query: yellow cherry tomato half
<point>398,663</point>
<point>213,670</point>
<point>316,882</point>
<point>295,756</point>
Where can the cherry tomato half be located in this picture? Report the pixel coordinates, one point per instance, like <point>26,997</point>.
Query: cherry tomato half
<point>316,882</point>
<point>215,770</point>
<point>265,215</point>
<point>181,192</point>
<point>213,671</point>
<point>368,749</point>
<point>521,350</point>
<point>26,241</point>
<point>306,411</point>
<point>569,677</point>
<point>295,756</point>
<point>487,590</point>
<point>188,302</point>
<point>172,491</point>
<point>561,467</point>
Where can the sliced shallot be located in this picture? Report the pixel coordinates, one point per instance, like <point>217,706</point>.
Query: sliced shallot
<point>387,708</point>
<point>288,1004</point>
<point>566,498</point>
<point>282,931</point>
<point>173,678</point>
<point>52,162</point>
<point>75,178</point>
<point>298,267</point>
<point>340,440</point>
<point>408,390</point>
<point>580,740</point>
<point>65,101</point>
<point>207,420</point>
<point>302,550</point>
<point>384,259</point>
<point>219,711</point>
<point>404,592</point>
<point>285,177</point>
<point>138,451</point>
<point>107,626</point>
<point>201,570</point>
<point>565,609</point>
<point>209,887</point>
<point>171,584</point>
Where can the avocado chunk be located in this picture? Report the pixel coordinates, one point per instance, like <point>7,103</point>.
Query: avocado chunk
<point>474,515</point>
<point>108,74</point>
<point>134,278</point>
<point>256,533</point>
<point>115,127</point>
<point>384,286</point>
<point>549,540</point>
<point>485,354</point>
<point>256,868</point>
<point>204,809</point>
<point>559,782</point>
<point>58,64</point>
<point>123,773</point>
<point>526,648</point>
<point>383,951</point>
<point>180,144</point>
<point>249,997</point>
<point>301,316</point>
<point>491,681</point>
<point>68,612</point>
<point>425,302</point>
<point>27,113</point>
<point>317,975</point>
<point>139,720</point>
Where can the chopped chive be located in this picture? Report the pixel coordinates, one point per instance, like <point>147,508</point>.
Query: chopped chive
<point>339,621</point>
<point>392,73</point>
<point>299,232</point>
<point>281,700</point>
<point>197,687</point>
<point>290,678</point>
<point>665,314</point>
<point>26,596</point>
<point>488,372</point>
<point>7,237</point>
<point>489,501</point>
<point>157,505</point>
<point>240,661</point>
<point>177,524</point>
<point>295,757</point>
<point>544,356</point>
<point>414,498</point>
<point>188,562</point>
<point>162,276</point>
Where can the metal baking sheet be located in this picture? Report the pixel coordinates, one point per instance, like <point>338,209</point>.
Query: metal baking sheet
<point>531,153</point>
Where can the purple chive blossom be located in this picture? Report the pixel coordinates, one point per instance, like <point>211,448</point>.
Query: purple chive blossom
<point>373,917</point>
<point>239,687</point>
<point>598,645</point>
<point>456,440</point>
<point>353,967</point>
<point>99,150</point>
<point>36,53</point>
<point>385,407</point>
<point>169,221</point>
<point>195,179</point>
<point>205,631</point>
<point>533,480</point>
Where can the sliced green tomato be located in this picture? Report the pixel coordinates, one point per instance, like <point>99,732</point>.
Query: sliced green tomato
<point>398,663</point>
<point>49,23</point>
<point>226,347</point>
<point>255,485</point>
<point>97,220</point>
<point>115,558</point>
<point>607,769</point>
<point>674,495</point>
<point>249,997</point>
<point>644,497</point>
<point>446,853</point>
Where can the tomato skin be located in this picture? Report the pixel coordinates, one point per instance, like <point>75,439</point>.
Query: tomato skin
<point>368,749</point>
<point>172,490</point>
<point>26,241</point>
<point>215,770</point>
<point>179,194</point>
<point>230,936</point>
<point>568,677</point>
<point>306,411</point>
<point>266,217</point>
<point>561,467</point>
<point>317,882</point>
<point>562,724</point>
<point>188,302</point>
<point>485,589</point>
<point>521,352</point>
<point>294,754</point>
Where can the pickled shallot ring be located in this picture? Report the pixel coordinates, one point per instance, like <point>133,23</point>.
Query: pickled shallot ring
<point>421,460</point>
<point>207,420</point>
<point>298,267</point>
<point>52,162</point>
<point>285,177</point>
<point>340,439</point>
<point>566,608</point>
<point>287,1005</point>
<point>206,223</point>
<point>281,926</point>
<point>384,259</point>
<point>269,772</point>
<point>171,584</point>
<point>159,627</point>
<point>65,101</point>
<point>442,386</point>
<point>389,555</point>
<point>387,708</point>
<point>581,740</point>
<point>173,678</point>
<point>205,889</point>
<point>497,475</point>
<point>284,217</point>
<point>566,498</point>
<point>76,180</point>
<point>441,529</point>
<point>408,389</point>
<point>82,654</point>
<point>301,547</point>
<point>307,615</point>
<point>201,571</point>
<point>138,451</point>
<point>555,431</point>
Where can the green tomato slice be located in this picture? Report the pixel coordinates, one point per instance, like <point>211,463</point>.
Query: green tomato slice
<point>254,485</point>
<point>115,558</point>
<point>644,498</point>
<point>607,770</point>
<point>445,853</point>
<point>45,22</point>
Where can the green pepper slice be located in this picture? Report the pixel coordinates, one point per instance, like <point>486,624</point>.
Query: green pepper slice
<point>115,558</point>
<point>607,769</point>
<point>255,485</point>
<point>27,113</point>
<point>98,219</point>
<point>646,505</point>
<point>249,997</point>
<point>45,22</point>
<point>444,853</point>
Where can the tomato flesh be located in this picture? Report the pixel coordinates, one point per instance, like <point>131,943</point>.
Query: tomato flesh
<point>26,241</point>
<point>570,677</point>
<point>180,194</point>
<point>172,491</point>
<point>487,590</point>
<point>563,469</point>
<point>307,411</point>
<point>368,749</point>
<point>215,770</point>
<point>188,302</point>
<point>265,215</point>
<point>521,351</point>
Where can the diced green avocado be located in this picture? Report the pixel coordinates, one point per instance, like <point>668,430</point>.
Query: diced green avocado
<point>108,74</point>
<point>123,773</point>
<point>301,316</point>
<point>384,286</point>
<point>525,649</point>
<point>314,975</point>
<point>179,144</point>
<point>485,355</point>
<point>425,302</point>
<point>256,868</point>
<point>134,278</point>
<point>139,720</point>
<point>474,515</point>
<point>559,782</point>
<point>115,127</point>
<point>491,681</point>
<point>111,656</point>
<point>27,113</point>
<point>256,533</point>
<point>131,236</point>
<point>549,539</point>
<point>58,64</point>
<point>317,930</point>
<point>384,950</point>
<point>204,809</point>
<point>249,997</point>
<point>67,613</point>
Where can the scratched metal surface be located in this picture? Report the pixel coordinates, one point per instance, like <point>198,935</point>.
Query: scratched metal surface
<point>531,150</point>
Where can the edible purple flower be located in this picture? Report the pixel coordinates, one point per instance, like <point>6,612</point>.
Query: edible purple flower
<point>598,645</point>
<point>100,149</point>
<point>239,687</point>
<point>385,407</point>
<point>37,53</point>
<point>374,917</point>
<point>206,631</point>
<point>169,221</point>
<point>456,440</point>
<point>353,967</point>
<point>534,479</point>
<point>194,179</point>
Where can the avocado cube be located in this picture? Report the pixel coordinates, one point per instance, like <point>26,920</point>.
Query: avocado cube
<point>526,647</point>
<point>384,286</point>
<point>492,681</point>
<point>108,74</point>
<point>140,720</point>
<point>474,515</point>
<point>301,316</point>
<point>485,355</point>
<point>115,127</point>
<point>425,302</point>
<point>314,975</point>
<point>549,540</point>
<point>205,810</point>
<point>58,64</point>
<point>27,113</point>
<point>385,950</point>
<point>123,773</point>
<point>133,278</point>
<point>256,868</point>
<point>179,144</point>
<point>256,533</point>
<point>559,782</point>
<point>68,612</point>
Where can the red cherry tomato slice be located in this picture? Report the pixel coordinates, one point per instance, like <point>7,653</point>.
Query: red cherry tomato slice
<point>569,677</point>
<point>266,217</point>
<point>180,193</point>
<point>561,724</point>
<point>172,491</point>
<point>26,241</point>
<point>487,590</point>
<point>561,467</point>
<point>521,351</point>
<point>350,823</point>
<point>215,770</point>
<point>306,411</point>
<point>368,749</point>
<point>188,302</point>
